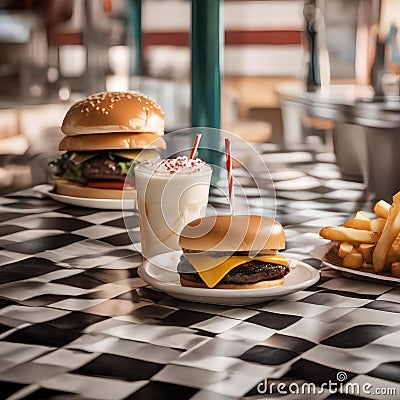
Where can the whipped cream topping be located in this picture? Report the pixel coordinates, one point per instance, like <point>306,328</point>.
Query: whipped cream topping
<point>181,163</point>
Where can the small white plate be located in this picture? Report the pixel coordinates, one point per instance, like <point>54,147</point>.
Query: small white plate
<point>160,272</point>
<point>106,204</point>
<point>365,273</point>
<point>329,258</point>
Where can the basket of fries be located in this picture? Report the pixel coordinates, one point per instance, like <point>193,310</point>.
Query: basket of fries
<point>368,243</point>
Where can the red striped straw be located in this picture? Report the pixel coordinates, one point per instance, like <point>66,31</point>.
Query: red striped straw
<point>195,146</point>
<point>229,172</point>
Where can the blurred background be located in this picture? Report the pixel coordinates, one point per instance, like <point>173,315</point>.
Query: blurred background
<point>274,54</point>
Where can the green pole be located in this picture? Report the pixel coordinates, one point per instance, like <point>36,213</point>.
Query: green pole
<point>205,73</point>
<point>134,11</point>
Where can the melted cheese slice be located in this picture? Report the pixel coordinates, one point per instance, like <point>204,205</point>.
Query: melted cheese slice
<point>213,269</point>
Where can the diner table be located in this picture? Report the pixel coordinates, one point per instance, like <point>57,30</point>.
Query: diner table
<point>77,321</point>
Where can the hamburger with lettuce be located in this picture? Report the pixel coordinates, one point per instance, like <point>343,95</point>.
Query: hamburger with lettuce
<point>105,135</point>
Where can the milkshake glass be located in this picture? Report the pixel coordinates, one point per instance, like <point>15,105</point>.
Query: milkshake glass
<point>170,194</point>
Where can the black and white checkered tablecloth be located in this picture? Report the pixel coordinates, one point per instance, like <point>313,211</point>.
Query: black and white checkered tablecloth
<point>76,321</point>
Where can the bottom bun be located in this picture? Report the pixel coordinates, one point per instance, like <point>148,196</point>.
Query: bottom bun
<point>258,285</point>
<point>75,189</point>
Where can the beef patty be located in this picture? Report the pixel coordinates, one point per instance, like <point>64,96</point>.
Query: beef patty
<point>102,167</point>
<point>250,272</point>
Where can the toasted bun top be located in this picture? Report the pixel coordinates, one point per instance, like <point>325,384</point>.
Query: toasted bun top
<point>251,233</point>
<point>114,112</point>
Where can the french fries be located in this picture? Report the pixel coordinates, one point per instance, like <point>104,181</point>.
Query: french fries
<point>361,215</point>
<point>366,249</point>
<point>395,248</point>
<point>364,241</point>
<point>396,198</point>
<point>341,233</point>
<point>389,235</point>
<point>395,269</point>
<point>364,224</point>
<point>382,208</point>
<point>353,260</point>
<point>360,221</point>
<point>344,249</point>
<point>377,224</point>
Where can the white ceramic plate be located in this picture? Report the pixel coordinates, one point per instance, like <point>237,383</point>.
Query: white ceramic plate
<point>106,204</point>
<point>160,272</point>
<point>366,273</point>
<point>329,258</point>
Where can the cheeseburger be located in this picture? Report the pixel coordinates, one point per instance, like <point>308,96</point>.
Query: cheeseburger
<point>232,252</point>
<point>105,134</point>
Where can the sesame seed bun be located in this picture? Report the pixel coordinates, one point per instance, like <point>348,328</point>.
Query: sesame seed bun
<point>232,233</point>
<point>112,141</point>
<point>114,112</point>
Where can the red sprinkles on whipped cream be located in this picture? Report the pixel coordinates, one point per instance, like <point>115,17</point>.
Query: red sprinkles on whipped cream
<point>181,163</point>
